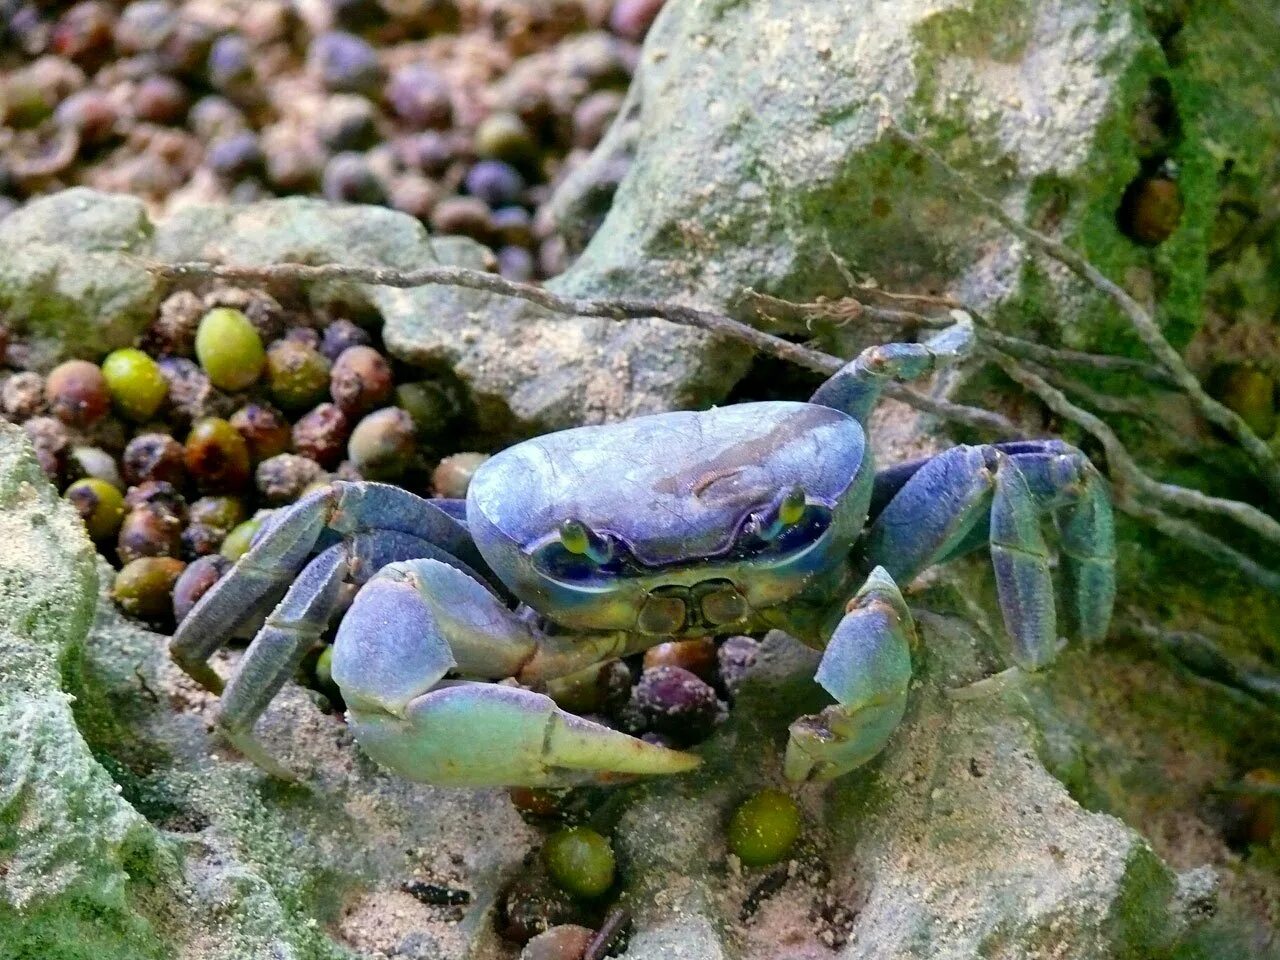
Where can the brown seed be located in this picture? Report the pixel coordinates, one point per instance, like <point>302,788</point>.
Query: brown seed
<point>159,494</point>
<point>264,429</point>
<point>149,531</point>
<point>49,438</point>
<point>322,435</point>
<point>360,381</point>
<point>567,941</point>
<point>217,456</point>
<point>23,396</point>
<point>77,393</point>
<point>1151,210</point>
<point>697,656</point>
<point>282,478</point>
<point>196,581</point>
<point>154,456</point>
<point>452,477</point>
<point>536,801</point>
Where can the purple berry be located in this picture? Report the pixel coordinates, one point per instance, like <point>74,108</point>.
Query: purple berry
<point>496,183</point>
<point>676,703</point>
<point>235,156</point>
<point>420,97</point>
<point>230,63</point>
<point>345,63</point>
<point>348,178</point>
<point>516,263</point>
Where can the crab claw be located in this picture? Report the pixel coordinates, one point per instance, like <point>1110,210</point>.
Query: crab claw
<point>483,735</point>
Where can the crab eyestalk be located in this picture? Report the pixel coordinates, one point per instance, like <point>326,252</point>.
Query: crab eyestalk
<point>577,537</point>
<point>786,511</point>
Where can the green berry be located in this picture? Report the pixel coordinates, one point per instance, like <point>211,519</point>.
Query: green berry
<point>236,545</point>
<point>136,384</point>
<point>430,405</point>
<point>221,513</point>
<point>580,861</point>
<point>764,828</point>
<point>382,444</point>
<point>99,504</point>
<point>297,373</point>
<point>143,588</point>
<point>229,349</point>
<point>504,136</point>
<point>216,455</point>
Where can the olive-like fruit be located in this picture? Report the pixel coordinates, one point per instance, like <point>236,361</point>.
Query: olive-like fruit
<point>697,656</point>
<point>217,457</point>
<point>764,828</point>
<point>154,456</point>
<point>237,542</point>
<point>220,512</point>
<point>431,406</point>
<point>137,386</point>
<point>159,494</point>
<point>565,941</point>
<point>149,531</point>
<point>264,429</point>
<point>196,581</point>
<point>382,444</point>
<point>340,335</point>
<point>677,703</point>
<point>321,434</point>
<point>282,478</point>
<point>452,476</point>
<point>360,380</point>
<point>143,588</point>
<point>298,374</point>
<point>99,504</point>
<point>77,393</point>
<point>580,861</point>
<point>229,349</point>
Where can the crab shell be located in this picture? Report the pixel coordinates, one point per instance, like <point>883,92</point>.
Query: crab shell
<point>674,494</point>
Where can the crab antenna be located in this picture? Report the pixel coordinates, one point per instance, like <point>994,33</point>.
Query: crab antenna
<point>787,510</point>
<point>577,537</point>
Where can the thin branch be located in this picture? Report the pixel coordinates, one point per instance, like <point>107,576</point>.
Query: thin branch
<point>1144,325</point>
<point>1125,472</point>
<point>1193,536</point>
<point>620,309</point>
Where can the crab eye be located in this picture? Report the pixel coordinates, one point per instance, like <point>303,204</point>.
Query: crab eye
<point>578,538</point>
<point>788,523</point>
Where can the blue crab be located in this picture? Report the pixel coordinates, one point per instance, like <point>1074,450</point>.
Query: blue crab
<point>582,546</point>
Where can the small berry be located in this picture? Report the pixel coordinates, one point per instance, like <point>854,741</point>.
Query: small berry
<point>341,334</point>
<point>282,478</point>
<point>77,393</point>
<point>322,435</point>
<point>382,444</point>
<point>429,404</point>
<point>99,504</point>
<point>235,156</point>
<point>580,861</point>
<point>763,830</point>
<point>676,702</point>
<point>360,380</point>
<point>697,656</point>
<point>735,658</point>
<point>149,531</point>
<point>503,136</point>
<point>348,178</point>
<point>495,182</point>
<point>23,396</point>
<point>144,587</point>
<point>297,374</point>
<point>264,429</point>
<point>452,476</point>
<point>345,63</point>
<point>196,581</point>
<point>154,456</point>
<point>160,494</point>
<point>229,349</point>
<point>237,542</point>
<point>420,97</point>
<point>220,512</point>
<point>217,457</point>
<point>137,386</point>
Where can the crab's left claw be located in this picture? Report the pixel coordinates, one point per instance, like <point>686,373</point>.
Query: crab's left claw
<point>483,734</point>
<point>867,668</point>
<point>418,623</point>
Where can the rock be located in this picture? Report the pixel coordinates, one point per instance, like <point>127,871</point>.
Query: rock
<point>71,274</point>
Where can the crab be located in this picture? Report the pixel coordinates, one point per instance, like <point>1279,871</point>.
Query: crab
<point>583,546</point>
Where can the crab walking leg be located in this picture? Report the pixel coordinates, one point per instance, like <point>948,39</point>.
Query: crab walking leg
<point>867,668</point>
<point>284,546</point>
<point>969,495</point>
<point>418,621</point>
<point>856,387</point>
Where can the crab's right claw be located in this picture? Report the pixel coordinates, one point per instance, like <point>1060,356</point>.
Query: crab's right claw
<point>483,734</point>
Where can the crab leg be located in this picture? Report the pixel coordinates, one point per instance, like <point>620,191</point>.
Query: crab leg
<point>416,622</point>
<point>867,668</point>
<point>284,545</point>
<point>939,512</point>
<point>856,387</point>
<point>297,623</point>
